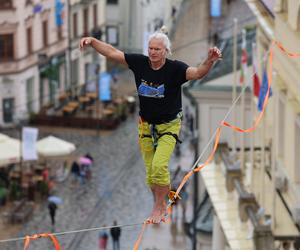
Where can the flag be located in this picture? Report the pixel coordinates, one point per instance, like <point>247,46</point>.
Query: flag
<point>256,84</point>
<point>256,81</point>
<point>243,66</point>
<point>263,91</point>
<point>244,58</point>
<point>59,12</point>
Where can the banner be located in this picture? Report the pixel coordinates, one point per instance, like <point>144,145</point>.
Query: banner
<point>59,8</point>
<point>104,87</point>
<point>215,8</point>
<point>244,58</point>
<point>256,81</point>
<point>263,90</point>
<point>29,138</point>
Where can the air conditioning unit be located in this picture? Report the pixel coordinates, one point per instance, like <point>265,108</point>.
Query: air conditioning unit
<point>281,182</point>
<point>296,213</point>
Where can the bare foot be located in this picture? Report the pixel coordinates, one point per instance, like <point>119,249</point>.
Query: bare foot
<point>158,213</point>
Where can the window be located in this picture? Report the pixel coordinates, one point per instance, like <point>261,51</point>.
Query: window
<point>45,33</point>
<point>112,35</point>
<point>112,1</point>
<point>281,125</point>
<point>74,72</point>
<point>297,151</point>
<point>86,22</point>
<point>75,25</point>
<point>59,32</point>
<point>8,109</point>
<point>29,40</point>
<point>95,10</point>
<point>6,47</point>
<point>284,5</point>
<point>6,4</point>
<point>298,21</point>
<point>28,2</point>
<point>29,94</point>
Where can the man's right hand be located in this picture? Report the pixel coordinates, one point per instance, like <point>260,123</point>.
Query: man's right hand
<point>85,41</point>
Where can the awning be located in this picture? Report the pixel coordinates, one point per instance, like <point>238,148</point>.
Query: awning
<point>10,150</point>
<point>54,147</point>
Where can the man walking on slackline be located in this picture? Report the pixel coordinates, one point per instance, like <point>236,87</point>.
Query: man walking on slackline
<point>158,81</point>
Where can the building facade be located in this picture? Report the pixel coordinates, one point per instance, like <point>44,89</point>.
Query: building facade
<point>36,48</point>
<point>256,204</point>
<point>87,18</point>
<point>30,39</point>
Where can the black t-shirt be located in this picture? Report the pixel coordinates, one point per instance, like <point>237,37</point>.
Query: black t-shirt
<point>159,90</point>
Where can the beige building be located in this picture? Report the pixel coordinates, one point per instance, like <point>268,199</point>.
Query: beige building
<point>35,44</point>
<point>257,204</point>
<point>87,18</point>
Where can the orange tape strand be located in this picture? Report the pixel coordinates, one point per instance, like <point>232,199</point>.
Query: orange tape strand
<point>37,236</point>
<point>138,241</point>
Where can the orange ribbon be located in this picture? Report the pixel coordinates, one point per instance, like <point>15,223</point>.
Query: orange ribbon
<point>138,241</point>
<point>37,236</point>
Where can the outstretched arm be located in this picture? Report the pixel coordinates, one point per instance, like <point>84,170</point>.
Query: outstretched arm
<point>104,49</point>
<point>194,73</point>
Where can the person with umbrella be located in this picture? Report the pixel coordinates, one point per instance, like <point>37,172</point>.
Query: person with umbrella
<point>52,210</point>
<point>53,201</point>
<point>85,164</point>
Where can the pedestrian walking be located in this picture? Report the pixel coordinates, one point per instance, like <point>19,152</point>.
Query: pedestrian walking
<point>115,233</point>
<point>52,211</point>
<point>75,171</point>
<point>158,82</point>
<point>103,238</point>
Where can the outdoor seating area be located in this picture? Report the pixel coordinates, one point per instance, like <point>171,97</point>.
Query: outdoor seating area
<point>85,111</point>
<point>25,184</point>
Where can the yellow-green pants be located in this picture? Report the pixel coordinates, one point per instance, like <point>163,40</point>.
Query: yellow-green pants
<point>157,159</point>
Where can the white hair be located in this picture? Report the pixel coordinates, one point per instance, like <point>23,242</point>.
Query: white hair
<point>162,34</point>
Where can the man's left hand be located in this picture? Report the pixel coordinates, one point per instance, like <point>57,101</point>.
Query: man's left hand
<point>214,54</point>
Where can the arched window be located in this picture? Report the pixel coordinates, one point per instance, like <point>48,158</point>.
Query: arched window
<point>284,6</point>
<point>298,19</point>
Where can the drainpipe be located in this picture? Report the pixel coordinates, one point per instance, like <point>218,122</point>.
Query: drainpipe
<point>195,176</point>
<point>68,51</point>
